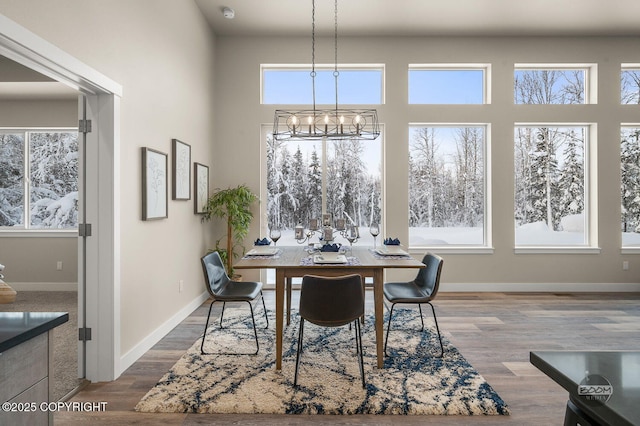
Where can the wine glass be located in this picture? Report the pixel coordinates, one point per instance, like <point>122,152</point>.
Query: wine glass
<point>352,236</point>
<point>275,234</point>
<point>375,231</point>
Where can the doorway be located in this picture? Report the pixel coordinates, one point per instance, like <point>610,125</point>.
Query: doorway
<point>99,294</point>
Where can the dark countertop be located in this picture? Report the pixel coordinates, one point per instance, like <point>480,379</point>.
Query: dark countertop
<point>621,369</point>
<point>18,327</point>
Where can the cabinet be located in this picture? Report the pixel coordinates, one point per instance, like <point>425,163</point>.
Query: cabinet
<point>26,360</point>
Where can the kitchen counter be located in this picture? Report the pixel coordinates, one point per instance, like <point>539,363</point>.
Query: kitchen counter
<point>18,327</point>
<point>26,366</point>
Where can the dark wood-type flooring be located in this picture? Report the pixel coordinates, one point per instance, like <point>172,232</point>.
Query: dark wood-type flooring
<point>494,331</point>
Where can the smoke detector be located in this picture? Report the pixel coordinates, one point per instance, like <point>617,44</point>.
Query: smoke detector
<point>228,13</point>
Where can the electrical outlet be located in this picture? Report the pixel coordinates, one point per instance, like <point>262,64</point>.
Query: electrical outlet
<point>625,265</point>
<point>180,286</point>
<point>59,265</point>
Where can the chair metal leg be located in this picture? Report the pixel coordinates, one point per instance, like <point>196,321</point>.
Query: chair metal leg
<point>222,314</point>
<point>265,310</point>
<point>438,329</point>
<point>206,325</point>
<point>255,331</point>
<point>421,319</point>
<point>359,350</point>
<point>388,328</point>
<point>300,334</point>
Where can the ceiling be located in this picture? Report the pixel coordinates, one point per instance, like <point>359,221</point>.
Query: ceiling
<point>381,18</point>
<point>426,17</point>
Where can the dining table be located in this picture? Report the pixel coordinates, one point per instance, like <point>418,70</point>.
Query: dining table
<point>296,261</point>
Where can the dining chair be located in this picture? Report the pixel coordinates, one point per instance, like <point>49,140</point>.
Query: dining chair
<point>331,302</point>
<point>221,288</point>
<point>423,289</point>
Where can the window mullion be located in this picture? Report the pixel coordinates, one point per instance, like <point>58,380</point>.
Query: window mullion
<point>27,181</point>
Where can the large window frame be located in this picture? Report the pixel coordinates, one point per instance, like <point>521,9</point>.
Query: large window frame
<point>27,229</point>
<point>627,196</point>
<point>635,69</point>
<point>486,80</point>
<point>590,79</point>
<point>487,245</point>
<point>590,193</point>
<point>323,68</point>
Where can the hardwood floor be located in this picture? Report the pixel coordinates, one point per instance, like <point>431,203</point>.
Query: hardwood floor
<point>494,331</point>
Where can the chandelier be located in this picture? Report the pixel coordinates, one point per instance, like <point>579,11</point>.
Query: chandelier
<point>330,123</point>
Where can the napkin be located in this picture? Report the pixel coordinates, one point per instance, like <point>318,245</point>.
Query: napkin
<point>262,242</point>
<point>330,247</point>
<point>391,241</point>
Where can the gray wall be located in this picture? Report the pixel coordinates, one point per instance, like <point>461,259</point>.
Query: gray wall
<point>162,53</point>
<point>241,115</point>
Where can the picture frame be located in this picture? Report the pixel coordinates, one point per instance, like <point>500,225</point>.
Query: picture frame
<point>155,184</point>
<point>180,170</point>
<point>201,187</point>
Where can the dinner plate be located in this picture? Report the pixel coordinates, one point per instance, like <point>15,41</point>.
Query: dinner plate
<point>262,251</point>
<point>390,251</point>
<point>329,258</point>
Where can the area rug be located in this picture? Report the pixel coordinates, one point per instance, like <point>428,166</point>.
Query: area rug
<point>414,379</point>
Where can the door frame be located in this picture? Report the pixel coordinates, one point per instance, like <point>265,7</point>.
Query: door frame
<point>103,190</point>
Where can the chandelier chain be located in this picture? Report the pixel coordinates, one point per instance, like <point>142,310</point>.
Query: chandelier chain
<point>336,73</point>
<point>313,51</point>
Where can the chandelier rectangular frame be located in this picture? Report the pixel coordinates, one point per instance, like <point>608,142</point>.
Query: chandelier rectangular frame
<point>329,123</point>
<point>318,124</point>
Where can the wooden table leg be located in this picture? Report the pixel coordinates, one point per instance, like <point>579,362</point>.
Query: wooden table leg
<point>279,315</point>
<point>289,289</point>
<point>378,280</point>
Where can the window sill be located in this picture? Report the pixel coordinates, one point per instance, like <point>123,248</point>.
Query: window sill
<point>630,250</point>
<point>452,250</point>
<point>557,250</point>
<point>39,233</point>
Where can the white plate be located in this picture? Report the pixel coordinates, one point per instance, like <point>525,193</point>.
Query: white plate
<point>390,251</point>
<point>262,251</point>
<point>329,257</point>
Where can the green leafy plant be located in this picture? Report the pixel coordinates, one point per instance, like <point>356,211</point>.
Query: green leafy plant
<point>234,206</point>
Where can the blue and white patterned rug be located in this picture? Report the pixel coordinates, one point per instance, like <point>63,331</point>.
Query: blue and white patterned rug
<point>413,381</point>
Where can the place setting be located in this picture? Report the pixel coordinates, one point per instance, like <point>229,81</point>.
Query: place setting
<point>262,248</point>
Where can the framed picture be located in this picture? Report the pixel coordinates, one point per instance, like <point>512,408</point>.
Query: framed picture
<point>154,184</point>
<point>201,177</point>
<point>180,170</point>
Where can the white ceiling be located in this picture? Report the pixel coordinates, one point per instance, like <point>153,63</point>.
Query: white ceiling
<point>391,18</point>
<point>427,17</point>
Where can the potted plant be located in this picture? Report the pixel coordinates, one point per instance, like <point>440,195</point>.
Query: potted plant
<point>232,205</point>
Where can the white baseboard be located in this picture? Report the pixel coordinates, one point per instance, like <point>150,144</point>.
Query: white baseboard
<point>147,343</point>
<point>73,286</point>
<point>541,287</point>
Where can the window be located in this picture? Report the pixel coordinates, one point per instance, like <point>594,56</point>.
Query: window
<point>447,185</point>
<point>630,185</point>
<point>292,85</point>
<point>437,84</point>
<point>630,85</point>
<point>550,185</point>
<point>550,85</point>
<point>44,165</point>
<point>305,179</point>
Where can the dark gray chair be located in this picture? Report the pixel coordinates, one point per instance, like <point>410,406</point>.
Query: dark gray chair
<point>223,289</point>
<point>421,290</point>
<point>331,302</point>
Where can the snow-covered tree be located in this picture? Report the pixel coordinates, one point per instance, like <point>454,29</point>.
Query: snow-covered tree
<point>630,182</point>
<point>571,183</point>
<point>630,86</point>
<point>53,179</point>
